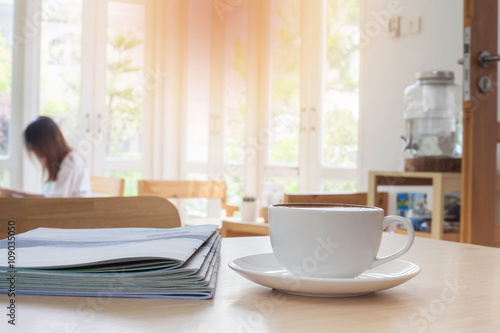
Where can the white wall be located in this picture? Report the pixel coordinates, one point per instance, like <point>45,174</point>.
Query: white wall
<point>389,65</point>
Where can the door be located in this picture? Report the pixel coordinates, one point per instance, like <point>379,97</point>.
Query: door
<point>480,123</point>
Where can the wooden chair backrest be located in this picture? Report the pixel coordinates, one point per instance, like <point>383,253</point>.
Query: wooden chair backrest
<point>76,213</point>
<point>114,187</point>
<point>183,189</point>
<point>187,189</point>
<point>360,198</point>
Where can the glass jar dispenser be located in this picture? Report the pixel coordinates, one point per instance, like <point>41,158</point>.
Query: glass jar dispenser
<point>433,108</point>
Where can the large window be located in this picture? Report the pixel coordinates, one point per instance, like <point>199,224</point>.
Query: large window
<point>93,83</point>
<point>313,63</point>
<point>264,93</point>
<point>295,125</point>
<point>216,95</point>
<point>88,65</point>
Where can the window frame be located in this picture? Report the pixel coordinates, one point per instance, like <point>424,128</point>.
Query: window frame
<point>310,172</point>
<point>26,93</point>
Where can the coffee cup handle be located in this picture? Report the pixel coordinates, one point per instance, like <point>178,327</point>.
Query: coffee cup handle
<point>411,237</point>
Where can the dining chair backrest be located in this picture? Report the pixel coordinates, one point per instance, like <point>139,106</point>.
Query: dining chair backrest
<point>107,186</point>
<point>239,229</point>
<point>75,213</point>
<point>360,198</point>
<point>186,189</point>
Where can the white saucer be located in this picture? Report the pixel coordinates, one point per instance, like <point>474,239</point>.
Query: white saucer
<point>265,270</point>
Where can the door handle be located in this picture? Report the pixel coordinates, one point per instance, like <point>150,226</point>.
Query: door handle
<point>485,58</point>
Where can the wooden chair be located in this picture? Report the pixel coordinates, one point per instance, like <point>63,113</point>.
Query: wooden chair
<point>360,198</point>
<point>107,186</point>
<point>187,189</point>
<point>241,229</point>
<point>76,213</point>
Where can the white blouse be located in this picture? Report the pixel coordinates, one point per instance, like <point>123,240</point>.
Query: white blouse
<point>72,181</point>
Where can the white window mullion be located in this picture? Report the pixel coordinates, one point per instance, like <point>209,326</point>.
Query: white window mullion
<point>252,185</point>
<point>198,96</point>
<point>87,92</point>
<point>98,132</point>
<point>173,144</point>
<point>161,104</point>
<point>305,100</point>
<point>263,125</point>
<point>183,109</point>
<point>315,21</point>
<point>216,138</point>
<point>153,80</point>
<point>30,55</point>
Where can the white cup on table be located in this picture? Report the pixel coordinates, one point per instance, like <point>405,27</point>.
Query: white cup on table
<point>331,240</point>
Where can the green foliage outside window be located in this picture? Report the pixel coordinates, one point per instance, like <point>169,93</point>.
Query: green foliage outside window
<point>340,125</point>
<point>124,101</point>
<point>340,130</point>
<point>5,89</point>
<point>5,64</point>
<point>285,83</point>
<point>234,131</point>
<point>131,179</point>
<point>124,104</point>
<point>4,178</point>
<point>338,186</point>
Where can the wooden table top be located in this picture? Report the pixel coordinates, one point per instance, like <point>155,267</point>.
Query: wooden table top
<point>458,290</point>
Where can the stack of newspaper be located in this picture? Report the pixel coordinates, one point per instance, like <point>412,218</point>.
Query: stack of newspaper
<point>124,262</point>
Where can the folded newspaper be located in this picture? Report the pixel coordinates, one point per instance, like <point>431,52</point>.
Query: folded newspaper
<point>119,262</point>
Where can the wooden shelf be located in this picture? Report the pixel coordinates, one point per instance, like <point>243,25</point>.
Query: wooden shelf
<point>440,182</point>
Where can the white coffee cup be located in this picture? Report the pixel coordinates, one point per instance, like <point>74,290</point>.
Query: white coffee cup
<point>331,240</point>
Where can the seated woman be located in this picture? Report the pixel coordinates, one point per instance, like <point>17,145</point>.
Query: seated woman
<point>64,171</point>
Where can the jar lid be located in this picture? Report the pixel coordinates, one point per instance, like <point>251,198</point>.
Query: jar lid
<point>435,75</point>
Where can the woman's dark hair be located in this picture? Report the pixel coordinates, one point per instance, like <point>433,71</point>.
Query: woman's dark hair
<point>44,138</point>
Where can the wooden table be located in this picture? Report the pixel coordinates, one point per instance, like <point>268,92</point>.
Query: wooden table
<point>458,290</point>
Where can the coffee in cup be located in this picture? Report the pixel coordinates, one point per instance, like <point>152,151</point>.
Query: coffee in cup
<point>331,240</point>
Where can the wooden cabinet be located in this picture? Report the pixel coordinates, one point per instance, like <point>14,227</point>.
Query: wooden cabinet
<point>440,182</point>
